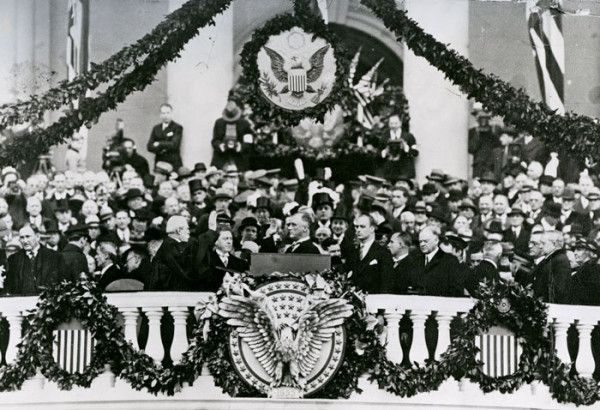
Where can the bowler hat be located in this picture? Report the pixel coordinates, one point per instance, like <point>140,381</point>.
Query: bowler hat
<point>436,213</point>
<point>546,180</point>
<point>553,210</point>
<point>568,194</point>
<point>133,193</point>
<point>429,189</point>
<point>199,167</point>
<point>467,203</point>
<point>249,221</point>
<point>489,177</point>
<point>223,218</point>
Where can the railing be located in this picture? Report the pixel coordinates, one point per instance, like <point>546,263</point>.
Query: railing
<point>422,312</point>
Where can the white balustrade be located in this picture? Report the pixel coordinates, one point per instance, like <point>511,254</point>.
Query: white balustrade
<point>154,346</point>
<point>560,326</point>
<point>394,350</point>
<point>443,320</point>
<point>130,316</point>
<point>180,341</point>
<point>15,321</point>
<point>585,360</point>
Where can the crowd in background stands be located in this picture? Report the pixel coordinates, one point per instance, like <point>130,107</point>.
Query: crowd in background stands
<point>181,229</point>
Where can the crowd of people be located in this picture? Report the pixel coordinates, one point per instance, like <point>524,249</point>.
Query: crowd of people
<point>182,229</point>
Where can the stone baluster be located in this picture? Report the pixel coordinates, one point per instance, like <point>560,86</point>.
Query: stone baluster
<point>585,360</point>
<point>443,320</point>
<point>15,320</point>
<point>180,341</point>
<point>561,325</point>
<point>130,315</point>
<point>394,350</point>
<point>418,349</point>
<point>154,347</point>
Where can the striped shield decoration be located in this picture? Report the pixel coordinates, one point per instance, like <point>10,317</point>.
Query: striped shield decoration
<point>499,351</point>
<point>546,36</point>
<point>73,347</point>
<point>297,79</point>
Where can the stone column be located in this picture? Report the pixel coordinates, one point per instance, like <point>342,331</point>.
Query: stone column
<point>198,84</point>
<point>438,110</point>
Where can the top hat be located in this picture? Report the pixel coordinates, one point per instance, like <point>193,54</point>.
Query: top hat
<point>263,203</point>
<point>364,203</point>
<point>50,226</point>
<point>321,198</point>
<point>196,185</point>
<point>62,205</point>
<point>568,194</point>
<point>339,214</point>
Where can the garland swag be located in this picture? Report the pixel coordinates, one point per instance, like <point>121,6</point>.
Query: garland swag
<point>508,305</point>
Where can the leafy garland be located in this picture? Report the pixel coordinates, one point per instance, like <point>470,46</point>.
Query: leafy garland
<point>574,134</point>
<point>66,92</point>
<point>37,142</point>
<point>509,305</point>
<point>252,75</point>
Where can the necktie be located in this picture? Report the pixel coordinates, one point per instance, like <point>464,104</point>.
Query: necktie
<point>225,259</point>
<point>426,260</point>
<point>30,254</point>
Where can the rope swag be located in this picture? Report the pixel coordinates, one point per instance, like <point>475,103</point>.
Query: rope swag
<point>571,134</point>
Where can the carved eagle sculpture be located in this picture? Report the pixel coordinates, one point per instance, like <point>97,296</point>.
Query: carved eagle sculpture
<point>287,353</point>
<point>297,73</point>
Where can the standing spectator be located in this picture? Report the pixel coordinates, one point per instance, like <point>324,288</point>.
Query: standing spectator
<point>106,261</point>
<point>586,280</point>
<point>132,158</point>
<point>165,139</point>
<point>74,159</point>
<point>398,149</point>
<point>516,233</point>
<point>370,263</point>
<point>552,276</point>
<point>487,269</point>
<point>32,267</point>
<point>532,148</point>
<point>231,136</point>
<point>482,141</point>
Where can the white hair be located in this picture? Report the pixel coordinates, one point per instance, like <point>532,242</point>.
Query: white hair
<point>174,223</point>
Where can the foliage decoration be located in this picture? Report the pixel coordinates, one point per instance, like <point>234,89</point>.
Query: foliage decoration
<point>90,109</point>
<point>572,134</point>
<point>248,59</point>
<point>110,69</point>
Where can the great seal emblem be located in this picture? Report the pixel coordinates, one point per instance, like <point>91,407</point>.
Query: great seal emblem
<point>287,340</point>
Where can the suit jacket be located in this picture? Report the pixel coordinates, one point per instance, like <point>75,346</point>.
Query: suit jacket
<point>172,266</point>
<point>400,277</point>
<point>139,163</point>
<point>552,278</point>
<point>368,273</point>
<point>582,219</point>
<point>307,247</point>
<point>169,141</point>
<point>534,151</point>
<point>520,242</point>
<point>112,273</point>
<point>73,262</point>
<point>45,272</point>
<point>585,282</point>
<point>441,276</point>
<point>222,127</point>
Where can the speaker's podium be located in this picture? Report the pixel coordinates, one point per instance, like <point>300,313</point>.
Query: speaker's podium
<point>267,263</point>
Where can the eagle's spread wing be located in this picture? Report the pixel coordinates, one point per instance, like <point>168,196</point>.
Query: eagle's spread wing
<point>254,323</point>
<point>315,327</point>
<point>277,63</point>
<point>316,64</point>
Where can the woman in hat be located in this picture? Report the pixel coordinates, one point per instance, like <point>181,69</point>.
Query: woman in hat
<point>231,134</point>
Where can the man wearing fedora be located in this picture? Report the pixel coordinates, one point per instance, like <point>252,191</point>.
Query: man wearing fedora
<point>165,139</point>
<point>231,136</point>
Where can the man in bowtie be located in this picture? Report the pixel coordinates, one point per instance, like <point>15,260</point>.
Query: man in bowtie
<point>32,267</point>
<point>165,139</point>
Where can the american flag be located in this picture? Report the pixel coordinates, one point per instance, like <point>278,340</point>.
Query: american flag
<point>544,20</point>
<point>78,49</point>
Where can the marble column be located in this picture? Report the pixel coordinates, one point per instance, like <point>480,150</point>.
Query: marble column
<point>438,110</point>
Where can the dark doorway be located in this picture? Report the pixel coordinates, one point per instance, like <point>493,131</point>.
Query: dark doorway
<point>371,51</point>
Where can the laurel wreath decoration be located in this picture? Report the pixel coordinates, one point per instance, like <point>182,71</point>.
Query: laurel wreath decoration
<point>254,78</point>
<point>572,134</point>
